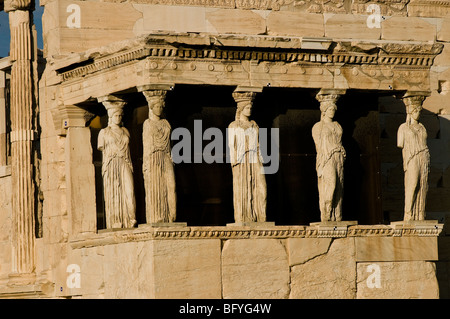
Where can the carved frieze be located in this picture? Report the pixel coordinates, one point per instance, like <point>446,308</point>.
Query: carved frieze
<point>386,7</point>
<point>193,59</point>
<point>279,232</point>
<point>319,6</point>
<point>429,8</point>
<point>390,54</point>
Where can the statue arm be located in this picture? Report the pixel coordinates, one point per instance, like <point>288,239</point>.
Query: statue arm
<point>101,141</point>
<point>145,146</point>
<point>401,136</point>
<point>232,144</point>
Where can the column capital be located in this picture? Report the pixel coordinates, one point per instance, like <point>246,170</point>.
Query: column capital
<point>245,88</point>
<point>112,101</point>
<point>331,95</point>
<point>13,5</point>
<point>74,116</point>
<point>156,87</point>
<point>414,99</point>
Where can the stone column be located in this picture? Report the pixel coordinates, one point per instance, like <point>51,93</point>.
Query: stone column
<point>22,136</point>
<point>249,181</point>
<point>412,139</point>
<point>3,131</point>
<point>327,135</point>
<point>80,172</point>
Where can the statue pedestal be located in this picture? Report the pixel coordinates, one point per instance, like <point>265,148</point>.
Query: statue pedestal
<point>157,225</point>
<point>337,224</point>
<point>252,224</point>
<point>113,229</point>
<point>423,227</point>
<point>332,228</point>
<point>427,222</point>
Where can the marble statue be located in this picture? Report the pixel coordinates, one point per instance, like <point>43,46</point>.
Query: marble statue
<point>158,167</point>
<point>412,139</point>
<point>249,182</point>
<point>117,170</point>
<point>330,159</point>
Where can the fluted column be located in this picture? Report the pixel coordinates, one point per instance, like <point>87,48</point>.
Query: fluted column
<point>22,136</point>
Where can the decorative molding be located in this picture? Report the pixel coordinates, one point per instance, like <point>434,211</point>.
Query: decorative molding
<point>107,62</point>
<point>390,54</point>
<point>387,7</point>
<point>429,8</point>
<point>144,232</point>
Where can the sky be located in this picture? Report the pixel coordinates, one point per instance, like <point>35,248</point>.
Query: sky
<point>4,29</point>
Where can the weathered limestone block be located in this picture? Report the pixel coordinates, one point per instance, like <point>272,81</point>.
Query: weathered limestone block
<point>295,24</point>
<point>5,256</point>
<point>124,266</point>
<point>82,273</point>
<point>350,26</point>
<point>396,248</point>
<point>75,26</point>
<point>186,268</point>
<point>407,29</point>
<point>399,280</point>
<point>443,59</point>
<point>254,268</point>
<point>426,8</point>
<point>236,21</point>
<point>55,228</point>
<point>330,275</point>
<point>444,32</point>
<point>302,250</point>
<point>438,102</point>
<point>170,18</point>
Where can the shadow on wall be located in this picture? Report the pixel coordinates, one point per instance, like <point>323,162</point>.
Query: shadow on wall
<point>392,115</point>
<point>373,185</point>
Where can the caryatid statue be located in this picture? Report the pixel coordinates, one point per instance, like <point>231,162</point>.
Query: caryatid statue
<point>412,139</point>
<point>117,168</point>
<point>249,182</point>
<point>158,166</point>
<point>327,135</point>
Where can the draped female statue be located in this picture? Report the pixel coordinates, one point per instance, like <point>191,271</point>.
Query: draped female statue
<point>330,158</point>
<point>117,170</point>
<point>249,182</point>
<point>412,139</point>
<point>157,167</point>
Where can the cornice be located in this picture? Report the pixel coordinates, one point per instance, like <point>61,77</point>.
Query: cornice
<point>339,53</point>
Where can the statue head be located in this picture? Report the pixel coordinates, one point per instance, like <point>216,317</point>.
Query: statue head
<point>115,114</point>
<point>114,108</point>
<point>244,102</point>
<point>413,107</point>
<point>156,101</point>
<point>327,104</point>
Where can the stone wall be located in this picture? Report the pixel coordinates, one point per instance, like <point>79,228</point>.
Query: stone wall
<point>123,264</point>
<point>96,26</point>
<point>265,267</point>
<point>5,229</point>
